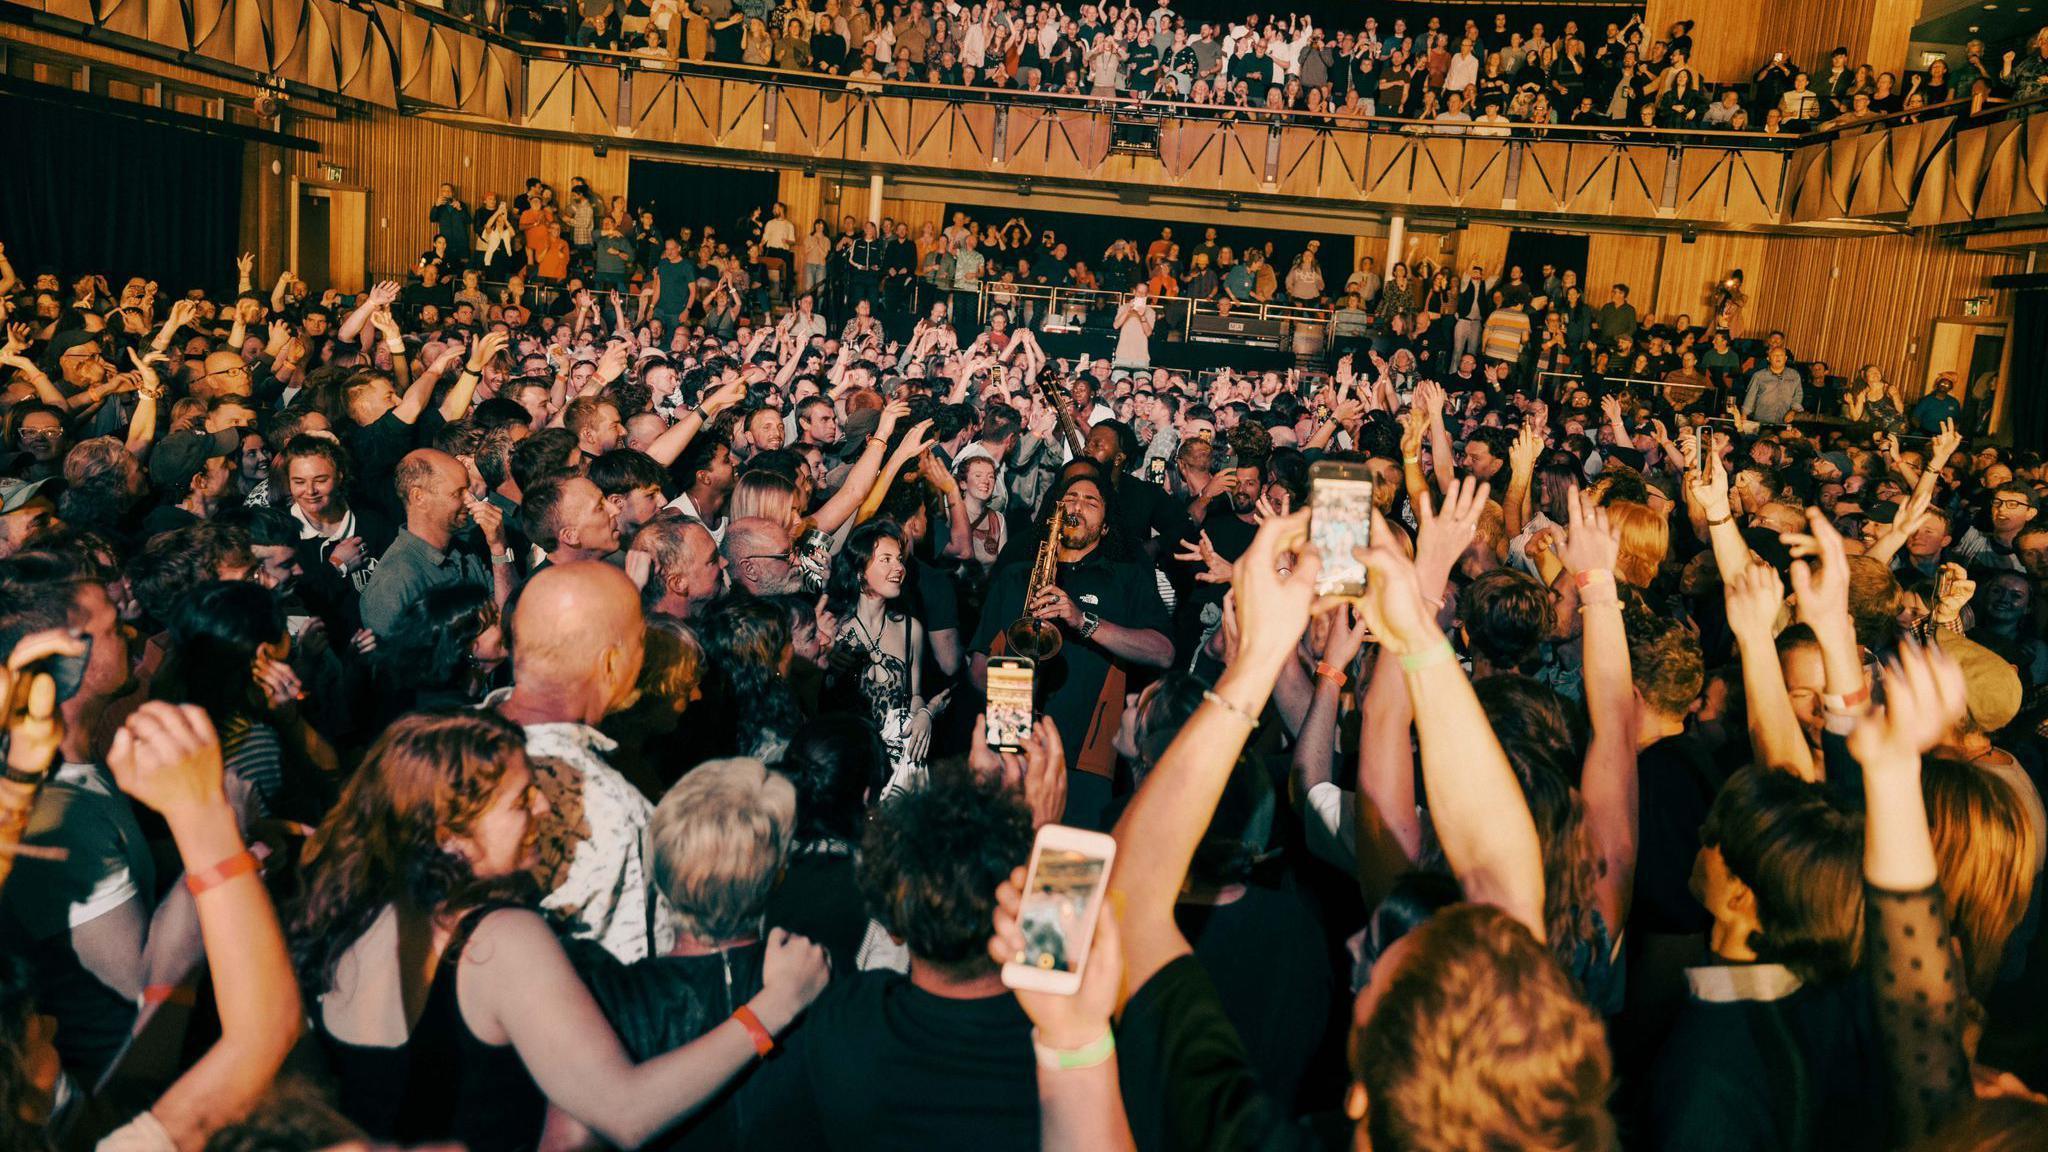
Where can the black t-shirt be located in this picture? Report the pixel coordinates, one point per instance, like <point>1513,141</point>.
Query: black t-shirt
<point>1678,780</point>
<point>1187,1082</point>
<point>1266,956</point>
<point>880,1063</point>
<point>374,452</point>
<point>1145,509</point>
<point>165,518</point>
<point>819,898</point>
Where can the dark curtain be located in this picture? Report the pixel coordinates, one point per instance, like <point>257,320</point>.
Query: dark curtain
<point>1532,250</point>
<point>693,195</point>
<point>88,191</point>
<point>2027,424</point>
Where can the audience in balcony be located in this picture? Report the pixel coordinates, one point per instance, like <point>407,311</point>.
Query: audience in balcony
<point>1256,68</point>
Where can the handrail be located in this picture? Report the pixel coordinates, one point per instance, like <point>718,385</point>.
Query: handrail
<point>1091,103</point>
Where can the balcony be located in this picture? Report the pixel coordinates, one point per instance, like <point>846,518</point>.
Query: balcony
<point>1938,167</point>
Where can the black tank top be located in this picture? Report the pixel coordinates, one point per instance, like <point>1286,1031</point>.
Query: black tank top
<point>443,1083</point>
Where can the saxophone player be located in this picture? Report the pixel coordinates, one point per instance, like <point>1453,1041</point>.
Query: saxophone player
<point>1113,623</point>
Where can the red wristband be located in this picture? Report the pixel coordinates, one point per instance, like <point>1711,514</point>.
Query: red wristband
<point>1330,672</point>
<point>1593,575</point>
<point>242,863</point>
<point>764,1043</point>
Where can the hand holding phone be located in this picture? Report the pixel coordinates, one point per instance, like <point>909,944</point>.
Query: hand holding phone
<point>1340,523</point>
<point>1012,684</point>
<point>1057,910</point>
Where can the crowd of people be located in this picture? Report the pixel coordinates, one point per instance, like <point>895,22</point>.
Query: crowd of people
<point>1473,74</point>
<point>447,715</point>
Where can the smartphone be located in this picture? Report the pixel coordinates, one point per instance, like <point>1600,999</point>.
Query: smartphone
<point>1012,683</point>
<point>1062,898</point>
<point>66,673</point>
<point>1340,524</point>
<point>1155,469</point>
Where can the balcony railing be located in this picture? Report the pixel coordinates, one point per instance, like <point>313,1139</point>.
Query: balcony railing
<point>1935,166</point>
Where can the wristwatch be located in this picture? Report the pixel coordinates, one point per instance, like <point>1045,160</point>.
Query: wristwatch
<point>1089,623</point>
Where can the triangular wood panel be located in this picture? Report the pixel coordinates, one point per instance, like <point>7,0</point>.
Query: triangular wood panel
<point>1483,182</point>
<point>1306,155</point>
<point>1244,154</point>
<point>597,99</point>
<point>287,25</point>
<point>1931,199</point>
<point>1755,186</point>
<point>123,17</point>
<point>1184,143</point>
<point>1703,179</point>
<point>1540,186</point>
<point>797,124</point>
<point>549,99</point>
<point>313,63</point>
<point>351,49</point>
<point>740,114</point>
<point>2001,170</point>
<point>2035,170</point>
<point>654,105</point>
<point>468,52</point>
<point>697,109</point>
<point>1968,155</point>
<point>213,29</point>
<point>170,24</point>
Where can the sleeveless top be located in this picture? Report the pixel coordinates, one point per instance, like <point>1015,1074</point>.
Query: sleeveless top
<point>443,1083</point>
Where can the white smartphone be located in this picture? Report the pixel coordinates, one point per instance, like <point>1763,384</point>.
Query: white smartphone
<point>1340,523</point>
<point>1062,899</point>
<point>1011,701</point>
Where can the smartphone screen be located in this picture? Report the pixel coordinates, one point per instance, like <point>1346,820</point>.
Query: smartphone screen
<point>1010,701</point>
<point>1062,896</point>
<point>1155,469</point>
<point>1340,524</point>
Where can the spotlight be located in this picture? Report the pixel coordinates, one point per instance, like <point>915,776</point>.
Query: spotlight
<point>1233,205</point>
<point>1024,188</point>
<point>810,171</point>
<point>601,150</point>
<point>1690,235</point>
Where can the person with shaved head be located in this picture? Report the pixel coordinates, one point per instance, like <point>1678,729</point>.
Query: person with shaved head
<point>577,646</point>
<point>428,552</point>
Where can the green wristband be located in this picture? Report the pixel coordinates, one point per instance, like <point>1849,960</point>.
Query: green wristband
<point>1067,1059</point>
<point>1440,652</point>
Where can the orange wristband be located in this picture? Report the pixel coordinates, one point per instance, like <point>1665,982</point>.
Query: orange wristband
<point>764,1043</point>
<point>242,863</point>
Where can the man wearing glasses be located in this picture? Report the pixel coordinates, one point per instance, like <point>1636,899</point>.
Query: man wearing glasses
<point>2013,506</point>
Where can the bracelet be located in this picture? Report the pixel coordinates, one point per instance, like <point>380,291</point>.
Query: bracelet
<point>1411,459</point>
<point>242,863</point>
<point>1603,602</point>
<point>1067,1059</point>
<point>1209,694</point>
<point>764,1041</point>
<point>1330,672</point>
<point>1440,652</point>
<point>1848,701</point>
<point>1713,523</point>
<point>1593,576</point>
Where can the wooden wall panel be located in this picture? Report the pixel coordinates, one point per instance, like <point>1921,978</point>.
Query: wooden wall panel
<point>1617,258</point>
<point>402,160</point>
<point>1734,38</point>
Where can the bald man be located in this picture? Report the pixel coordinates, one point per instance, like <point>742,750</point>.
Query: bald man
<point>576,651</point>
<point>427,553</point>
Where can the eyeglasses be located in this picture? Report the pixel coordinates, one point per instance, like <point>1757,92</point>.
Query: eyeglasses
<point>2011,503</point>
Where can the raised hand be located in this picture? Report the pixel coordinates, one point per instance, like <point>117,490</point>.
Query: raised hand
<point>167,756</point>
<point>18,337</point>
<point>1393,608</point>
<point>1065,1022</point>
<point>1215,569</point>
<point>245,264</point>
<point>1591,541</point>
<point>1945,444</point>
<point>1442,537</point>
<point>384,293</point>
<point>489,521</point>
<point>1274,604</point>
<point>1824,595</point>
<point>1953,590</point>
<point>1924,697</point>
<point>1526,450</point>
<point>277,681</point>
<point>1710,486</point>
<point>892,413</point>
<point>1754,600</point>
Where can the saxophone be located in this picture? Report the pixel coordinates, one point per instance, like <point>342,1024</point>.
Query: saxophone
<point>1028,636</point>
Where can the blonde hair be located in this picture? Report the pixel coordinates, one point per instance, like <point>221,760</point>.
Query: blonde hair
<point>1481,1041</point>
<point>1645,538</point>
<point>1984,850</point>
<point>718,840</point>
<point>768,495</point>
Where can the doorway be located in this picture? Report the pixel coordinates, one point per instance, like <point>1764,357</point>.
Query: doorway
<point>328,235</point>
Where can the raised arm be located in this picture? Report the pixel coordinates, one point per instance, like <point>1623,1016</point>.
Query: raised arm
<point>1755,599</point>
<point>668,447</point>
<point>1159,831</point>
<point>1476,804</point>
<point>168,757</point>
<point>1609,784</point>
<point>142,425</point>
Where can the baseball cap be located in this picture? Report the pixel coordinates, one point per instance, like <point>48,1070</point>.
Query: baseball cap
<point>182,455</point>
<point>16,494</point>
<point>1991,685</point>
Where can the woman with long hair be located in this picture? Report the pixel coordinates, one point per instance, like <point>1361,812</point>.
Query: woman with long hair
<point>749,707</point>
<point>228,653</point>
<point>446,1004</point>
<point>876,657</point>
<point>447,650</point>
<point>1872,402</point>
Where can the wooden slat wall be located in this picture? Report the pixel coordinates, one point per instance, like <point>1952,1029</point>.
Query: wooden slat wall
<point>402,160</point>
<point>1619,258</point>
<point>562,161</point>
<point>1848,300</point>
<point>1734,38</point>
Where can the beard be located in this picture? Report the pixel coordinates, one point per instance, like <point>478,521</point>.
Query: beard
<point>1080,536</point>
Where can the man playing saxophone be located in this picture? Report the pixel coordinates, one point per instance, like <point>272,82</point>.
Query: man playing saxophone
<point>1104,600</point>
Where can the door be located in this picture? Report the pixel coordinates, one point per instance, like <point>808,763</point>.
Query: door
<point>329,235</point>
